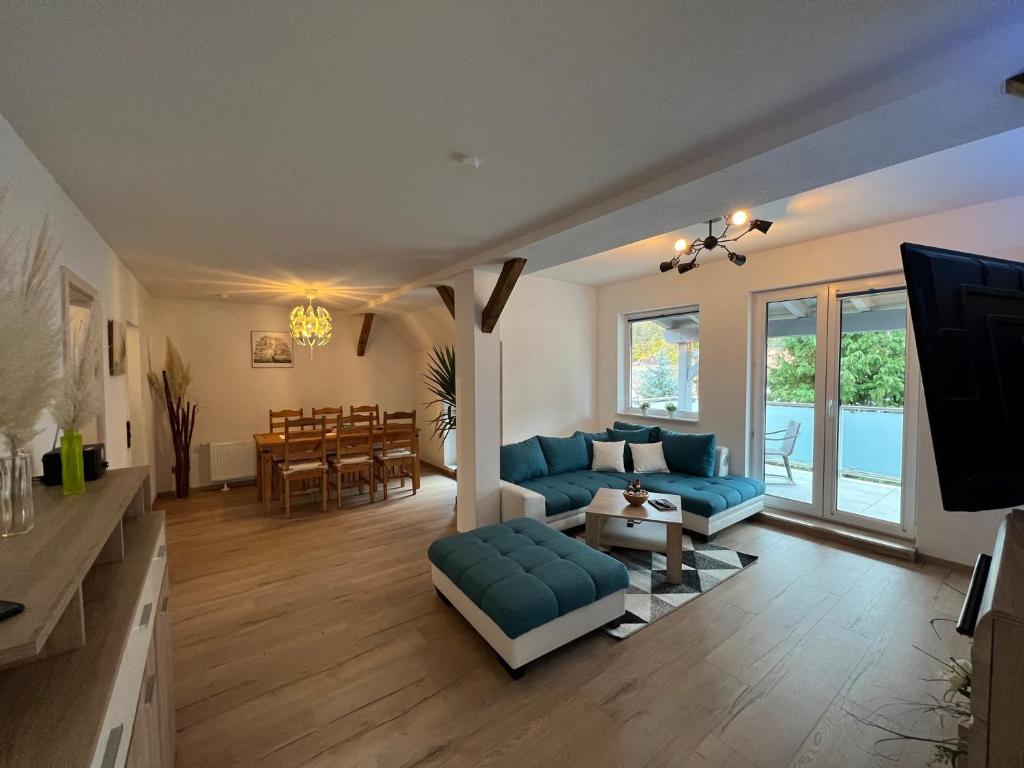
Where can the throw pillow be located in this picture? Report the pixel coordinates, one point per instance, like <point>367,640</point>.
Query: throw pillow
<point>630,436</point>
<point>589,438</point>
<point>648,457</point>
<point>565,454</point>
<point>608,456</point>
<point>653,432</point>
<point>689,453</point>
<point>522,461</point>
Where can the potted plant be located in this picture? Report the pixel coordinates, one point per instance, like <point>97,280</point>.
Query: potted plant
<point>440,380</point>
<point>643,407</point>
<point>171,387</point>
<point>671,408</point>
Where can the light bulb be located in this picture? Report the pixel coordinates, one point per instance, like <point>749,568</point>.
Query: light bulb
<point>738,218</point>
<point>680,244</point>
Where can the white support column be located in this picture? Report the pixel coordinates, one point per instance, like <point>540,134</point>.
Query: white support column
<point>478,399</point>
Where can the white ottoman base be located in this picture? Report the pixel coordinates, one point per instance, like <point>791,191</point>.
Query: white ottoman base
<point>519,651</point>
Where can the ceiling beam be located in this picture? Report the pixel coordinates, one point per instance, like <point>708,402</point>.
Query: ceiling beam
<point>447,294</point>
<point>364,334</point>
<point>1015,85</point>
<point>510,272</point>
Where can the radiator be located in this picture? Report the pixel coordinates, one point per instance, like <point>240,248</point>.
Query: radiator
<point>232,460</point>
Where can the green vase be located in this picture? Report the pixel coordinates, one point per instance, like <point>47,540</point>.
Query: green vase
<point>72,463</point>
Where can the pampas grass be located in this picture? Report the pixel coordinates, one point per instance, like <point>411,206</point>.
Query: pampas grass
<point>78,394</point>
<point>30,334</point>
<point>179,375</point>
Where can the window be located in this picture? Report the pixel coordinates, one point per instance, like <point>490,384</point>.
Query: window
<point>663,359</point>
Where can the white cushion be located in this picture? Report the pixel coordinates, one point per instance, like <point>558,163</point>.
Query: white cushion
<point>304,466</point>
<point>609,457</point>
<point>352,460</point>
<point>648,457</point>
<point>397,453</point>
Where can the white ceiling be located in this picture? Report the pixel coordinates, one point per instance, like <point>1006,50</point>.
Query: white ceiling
<point>253,148</point>
<point>977,172</point>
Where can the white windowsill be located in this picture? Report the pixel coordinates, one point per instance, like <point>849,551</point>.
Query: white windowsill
<point>687,419</point>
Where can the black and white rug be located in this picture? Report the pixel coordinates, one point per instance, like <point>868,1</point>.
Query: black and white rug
<point>650,597</point>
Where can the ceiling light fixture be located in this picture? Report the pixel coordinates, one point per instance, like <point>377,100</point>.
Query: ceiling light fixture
<point>311,326</point>
<point>735,219</point>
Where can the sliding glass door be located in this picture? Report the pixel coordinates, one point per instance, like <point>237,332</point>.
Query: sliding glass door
<point>835,402</point>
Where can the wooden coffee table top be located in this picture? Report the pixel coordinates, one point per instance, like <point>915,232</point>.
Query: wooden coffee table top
<point>609,503</point>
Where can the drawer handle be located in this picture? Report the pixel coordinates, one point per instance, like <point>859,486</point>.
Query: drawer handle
<point>113,747</point>
<point>147,614</point>
<point>161,550</point>
<point>150,688</point>
<point>163,604</point>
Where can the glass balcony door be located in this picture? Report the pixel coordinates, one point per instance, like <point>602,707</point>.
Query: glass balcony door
<point>835,403</point>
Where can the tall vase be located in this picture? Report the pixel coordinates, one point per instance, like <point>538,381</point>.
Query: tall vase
<point>17,511</point>
<point>72,463</point>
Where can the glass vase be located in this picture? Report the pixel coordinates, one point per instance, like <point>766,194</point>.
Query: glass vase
<point>72,463</point>
<point>17,512</point>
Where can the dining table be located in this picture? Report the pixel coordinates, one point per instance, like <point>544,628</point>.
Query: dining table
<point>270,448</point>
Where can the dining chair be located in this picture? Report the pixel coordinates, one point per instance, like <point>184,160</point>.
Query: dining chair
<point>399,455</point>
<point>362,410</point>
<point>305,458</point>
<point>352,465</point>
<point>278,418</point>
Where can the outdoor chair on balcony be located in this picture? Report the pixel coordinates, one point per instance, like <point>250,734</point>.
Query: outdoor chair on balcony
<point>785,446</point>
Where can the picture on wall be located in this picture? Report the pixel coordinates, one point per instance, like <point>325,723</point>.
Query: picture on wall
<point>117,334</point>
<point>272,349</point>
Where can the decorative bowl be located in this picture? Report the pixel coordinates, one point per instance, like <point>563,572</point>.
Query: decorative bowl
<point>636,499</point>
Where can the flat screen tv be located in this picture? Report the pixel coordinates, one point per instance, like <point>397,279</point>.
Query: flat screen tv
<point>968,318</point>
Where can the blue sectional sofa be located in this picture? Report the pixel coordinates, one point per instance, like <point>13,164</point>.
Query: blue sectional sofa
<point>549,478</point>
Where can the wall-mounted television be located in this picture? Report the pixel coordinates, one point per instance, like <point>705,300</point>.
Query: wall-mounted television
<point>968,318</point>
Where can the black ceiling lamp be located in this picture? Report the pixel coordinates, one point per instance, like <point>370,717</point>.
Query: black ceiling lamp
<point>712,241</point>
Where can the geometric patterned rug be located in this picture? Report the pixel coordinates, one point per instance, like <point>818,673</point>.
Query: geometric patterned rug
<point>649,597</point>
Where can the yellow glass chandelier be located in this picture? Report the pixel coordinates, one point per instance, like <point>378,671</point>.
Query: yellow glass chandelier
<point>311,326</point>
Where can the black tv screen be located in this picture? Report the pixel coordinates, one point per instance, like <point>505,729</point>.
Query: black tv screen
<point>968,317</point>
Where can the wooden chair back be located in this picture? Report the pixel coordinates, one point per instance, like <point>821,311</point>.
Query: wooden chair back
<point>330,412</point>
<point>354,437</point>
<point>278,418</point>
<point>365,410</point>
<point>305,440</point>
<point>399,432</point>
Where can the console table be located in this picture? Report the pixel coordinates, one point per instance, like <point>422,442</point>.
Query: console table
<point>85,670</point>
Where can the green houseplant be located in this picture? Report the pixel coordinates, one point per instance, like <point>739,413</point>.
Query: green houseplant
<point>644,406</point>
<point>671,408</point>
<point>440,380</point>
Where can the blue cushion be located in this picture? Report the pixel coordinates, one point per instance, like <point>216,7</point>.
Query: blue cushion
<point>565,454</point>
<point>545,575</point>
<point>642,435</point>
<point>705,496</point>
<point>522,461</point>
<point>589,438</point>
<point>655,432</point>
<point>689,453</point>
<point>571,490</point>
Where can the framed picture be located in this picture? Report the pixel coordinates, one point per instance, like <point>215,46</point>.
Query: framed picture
<point>117,334</point>
<point>272,349</point>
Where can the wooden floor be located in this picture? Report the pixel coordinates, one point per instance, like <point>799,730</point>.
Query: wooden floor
<point>318,641</point>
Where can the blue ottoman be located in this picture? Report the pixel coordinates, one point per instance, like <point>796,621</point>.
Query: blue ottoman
<point>527,588</point>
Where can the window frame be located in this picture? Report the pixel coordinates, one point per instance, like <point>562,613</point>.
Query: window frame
<point>625,356</point>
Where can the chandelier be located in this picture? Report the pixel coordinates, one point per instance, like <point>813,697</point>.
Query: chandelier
<point>712,241</point>
<point>311,326</point>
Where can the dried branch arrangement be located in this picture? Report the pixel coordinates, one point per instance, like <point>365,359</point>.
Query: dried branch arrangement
<point>172,386</point>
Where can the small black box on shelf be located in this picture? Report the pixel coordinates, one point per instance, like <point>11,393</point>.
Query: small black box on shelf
<point>95,463</point>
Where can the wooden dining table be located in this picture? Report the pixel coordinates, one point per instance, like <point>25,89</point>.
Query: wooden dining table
<point>270,448</point>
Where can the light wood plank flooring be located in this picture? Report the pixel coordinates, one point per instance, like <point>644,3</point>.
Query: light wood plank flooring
<point>318,641</point>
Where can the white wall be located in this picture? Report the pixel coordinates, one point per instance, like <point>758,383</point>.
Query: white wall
<point>32,194</point>
<point>549,355</point>
<point>235,398</point>
<point>724,294</point>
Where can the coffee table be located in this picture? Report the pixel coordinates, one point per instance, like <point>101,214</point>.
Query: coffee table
<point>608,518</point>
